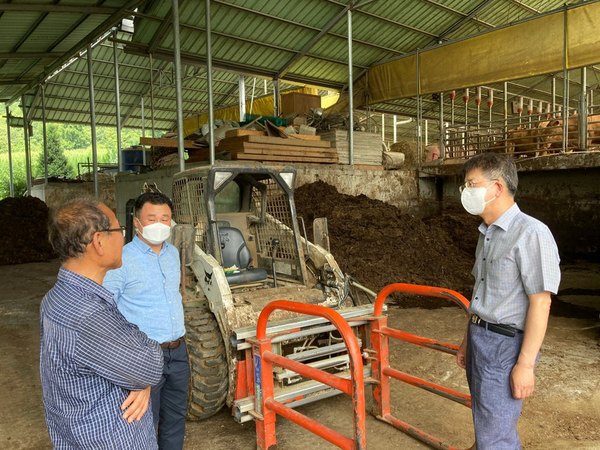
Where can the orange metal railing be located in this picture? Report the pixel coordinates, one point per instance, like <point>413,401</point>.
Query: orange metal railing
<point>266,408</point>
<point>380,365</point>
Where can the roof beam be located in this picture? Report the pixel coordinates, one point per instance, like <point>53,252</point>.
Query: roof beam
<point>49,8</point>
<point>459,13</point>
<point>525,7</point>
<point>29,55</point>
<point>111,21</point>
<point>456,25</point>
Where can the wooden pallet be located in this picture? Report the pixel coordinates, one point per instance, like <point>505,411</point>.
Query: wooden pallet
<point>166,142</point>
<point>270,148</point>
<point>367,146</point>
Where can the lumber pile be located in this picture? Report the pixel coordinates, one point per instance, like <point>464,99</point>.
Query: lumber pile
<point>367,146</point>
<point>299,148</point>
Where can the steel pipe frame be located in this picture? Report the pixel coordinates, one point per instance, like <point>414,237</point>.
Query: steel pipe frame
<point>242,97</point>
<point>11,180</point>
<point>44,133</point>
<point>209,67</point>
<point>276,98</point>
<point>178,90</point>
<point>350,92</point>
<point>121,166</point>
<point>583,112</point>
<point>93,120</point>
<point>27,149</point>
<point>565,113</point>
<point>152,94</point>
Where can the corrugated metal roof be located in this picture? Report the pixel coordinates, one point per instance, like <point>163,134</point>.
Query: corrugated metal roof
<point>305,41</point>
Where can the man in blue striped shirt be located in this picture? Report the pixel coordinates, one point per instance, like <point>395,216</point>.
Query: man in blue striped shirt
<point>146,290</point>
<point>516,270</point>
<point>96,368</point>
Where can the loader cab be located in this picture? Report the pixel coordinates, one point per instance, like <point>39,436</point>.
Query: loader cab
<point>245,217</point>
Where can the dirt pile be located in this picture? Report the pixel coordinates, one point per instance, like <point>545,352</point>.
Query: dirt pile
<point>24,231</point>
<point>378,244</point>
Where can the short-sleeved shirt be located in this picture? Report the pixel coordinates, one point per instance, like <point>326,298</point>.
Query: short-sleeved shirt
<point>516,256</point>
<point>146,290</point>
<point>90,360</point>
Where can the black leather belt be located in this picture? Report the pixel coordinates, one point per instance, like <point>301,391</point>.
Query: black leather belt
<point>505,330</point>
<point>172,344</point>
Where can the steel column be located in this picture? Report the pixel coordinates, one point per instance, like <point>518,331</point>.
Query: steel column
<point>44,133</point>
<point>505,111</point>
<point>350,93</point>
<point>93,120</point>
<point>583,111</point>
<point>553,96</point>
<point>11,180</point>
<point>26,138</point>
<point>178,89</point>
<point>419,112</point>
<point>117,101</point>
<point>143,123</point>
<point>209,79</point>
<point>382,126</point>
<point>565,113</point>
<point>395,129</point>
<point>442,128</point>
<point>152,94</point>
<point>276,98</point>
<point>242,97</point>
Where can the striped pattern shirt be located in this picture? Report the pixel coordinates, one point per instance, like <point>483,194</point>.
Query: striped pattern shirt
<point>90,359</point>
<point>516,257</point>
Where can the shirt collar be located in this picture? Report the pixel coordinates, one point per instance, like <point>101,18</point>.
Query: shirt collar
<point>504,221</point>
<point>86,284</point>
<point>145,248</point>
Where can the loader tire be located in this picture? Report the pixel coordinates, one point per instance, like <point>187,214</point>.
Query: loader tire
<point>208,363</point>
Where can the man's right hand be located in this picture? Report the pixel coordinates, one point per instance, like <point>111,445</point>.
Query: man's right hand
<point>461,355</point>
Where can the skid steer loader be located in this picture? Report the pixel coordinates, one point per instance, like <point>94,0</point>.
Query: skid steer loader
<point>241,246</point>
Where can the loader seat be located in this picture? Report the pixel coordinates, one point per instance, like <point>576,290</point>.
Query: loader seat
<point>235,252</point>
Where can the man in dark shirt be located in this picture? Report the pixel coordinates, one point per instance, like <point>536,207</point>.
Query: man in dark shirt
<point>96,368</point>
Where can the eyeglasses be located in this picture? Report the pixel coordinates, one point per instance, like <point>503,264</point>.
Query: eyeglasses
<point>470,184</point>
<point>110,230</point>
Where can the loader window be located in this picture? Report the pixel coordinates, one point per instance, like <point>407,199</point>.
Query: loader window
<point>228,200</point>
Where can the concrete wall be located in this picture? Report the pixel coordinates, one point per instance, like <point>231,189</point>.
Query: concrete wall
<point>396,187</point>
<point>567,200</point>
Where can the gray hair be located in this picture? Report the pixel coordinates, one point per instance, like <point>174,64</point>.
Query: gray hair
<point>495,166</point>
<point>72,227</point>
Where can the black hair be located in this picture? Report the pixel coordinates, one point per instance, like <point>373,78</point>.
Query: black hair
<point>154,198</point>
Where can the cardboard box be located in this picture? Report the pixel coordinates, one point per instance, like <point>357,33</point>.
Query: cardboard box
<point>298,103</point>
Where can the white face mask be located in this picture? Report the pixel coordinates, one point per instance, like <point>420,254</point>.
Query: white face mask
<point>156,233</point>
<point>473,199</point>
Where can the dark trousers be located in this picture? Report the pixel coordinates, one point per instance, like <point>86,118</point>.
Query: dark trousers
<point>490,359</point>
<point>169,399</point>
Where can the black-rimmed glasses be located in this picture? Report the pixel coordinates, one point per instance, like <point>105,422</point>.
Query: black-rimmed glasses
<point>110,230</point>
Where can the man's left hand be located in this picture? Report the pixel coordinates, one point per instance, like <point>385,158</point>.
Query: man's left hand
<point>136,405</point>
<point>522,381</point>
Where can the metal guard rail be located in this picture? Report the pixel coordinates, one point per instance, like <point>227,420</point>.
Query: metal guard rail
<point>266,408</point>
<point>381,369</point>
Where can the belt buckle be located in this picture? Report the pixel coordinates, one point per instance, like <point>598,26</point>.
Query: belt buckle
<point>475,319</point>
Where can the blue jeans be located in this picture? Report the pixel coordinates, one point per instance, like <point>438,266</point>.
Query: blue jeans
<point>490,359</point>
<point>169,399</point>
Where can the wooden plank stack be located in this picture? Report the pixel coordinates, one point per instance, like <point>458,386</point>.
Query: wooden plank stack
<point>367,146</point>
<point>278,149</point>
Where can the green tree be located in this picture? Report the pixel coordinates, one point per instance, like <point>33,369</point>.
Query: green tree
<point>58,165</point>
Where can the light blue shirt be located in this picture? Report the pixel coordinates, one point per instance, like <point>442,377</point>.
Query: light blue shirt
<point>146,290</point>
<point>516,257</point>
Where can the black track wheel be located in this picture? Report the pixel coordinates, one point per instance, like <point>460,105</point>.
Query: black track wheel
<point>208,362</point>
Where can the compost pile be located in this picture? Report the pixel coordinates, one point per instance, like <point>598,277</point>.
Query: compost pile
<point>24,231</point>
<point>378,244</point>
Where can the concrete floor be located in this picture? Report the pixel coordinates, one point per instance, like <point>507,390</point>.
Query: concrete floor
<point>563,414</point>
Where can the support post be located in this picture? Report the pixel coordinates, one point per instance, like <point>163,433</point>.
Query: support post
<point>27,150</point>
<point>419,113</point>
<point>93,120</point>
<point>178,88</point>
<point>442,128</point>
<point>565,114</point>
<point>554,96</point>
<point>583,111</point>
<point>242,97</point>
<point>11,179</point>
<point>44,133</point>
<point>350,92</point>
<point>209,79</point>
<point>152,95</point>
<point>395,128</point>
<point>120,165</point>
<point>505,113</point>
<point>276,98</point>
<point>382,127</point>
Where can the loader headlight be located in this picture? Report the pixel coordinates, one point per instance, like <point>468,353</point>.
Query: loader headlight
<point>221,178</point>
<point>288,178</point>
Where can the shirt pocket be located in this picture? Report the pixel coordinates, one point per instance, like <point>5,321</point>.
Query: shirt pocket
<point>502,273</point>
